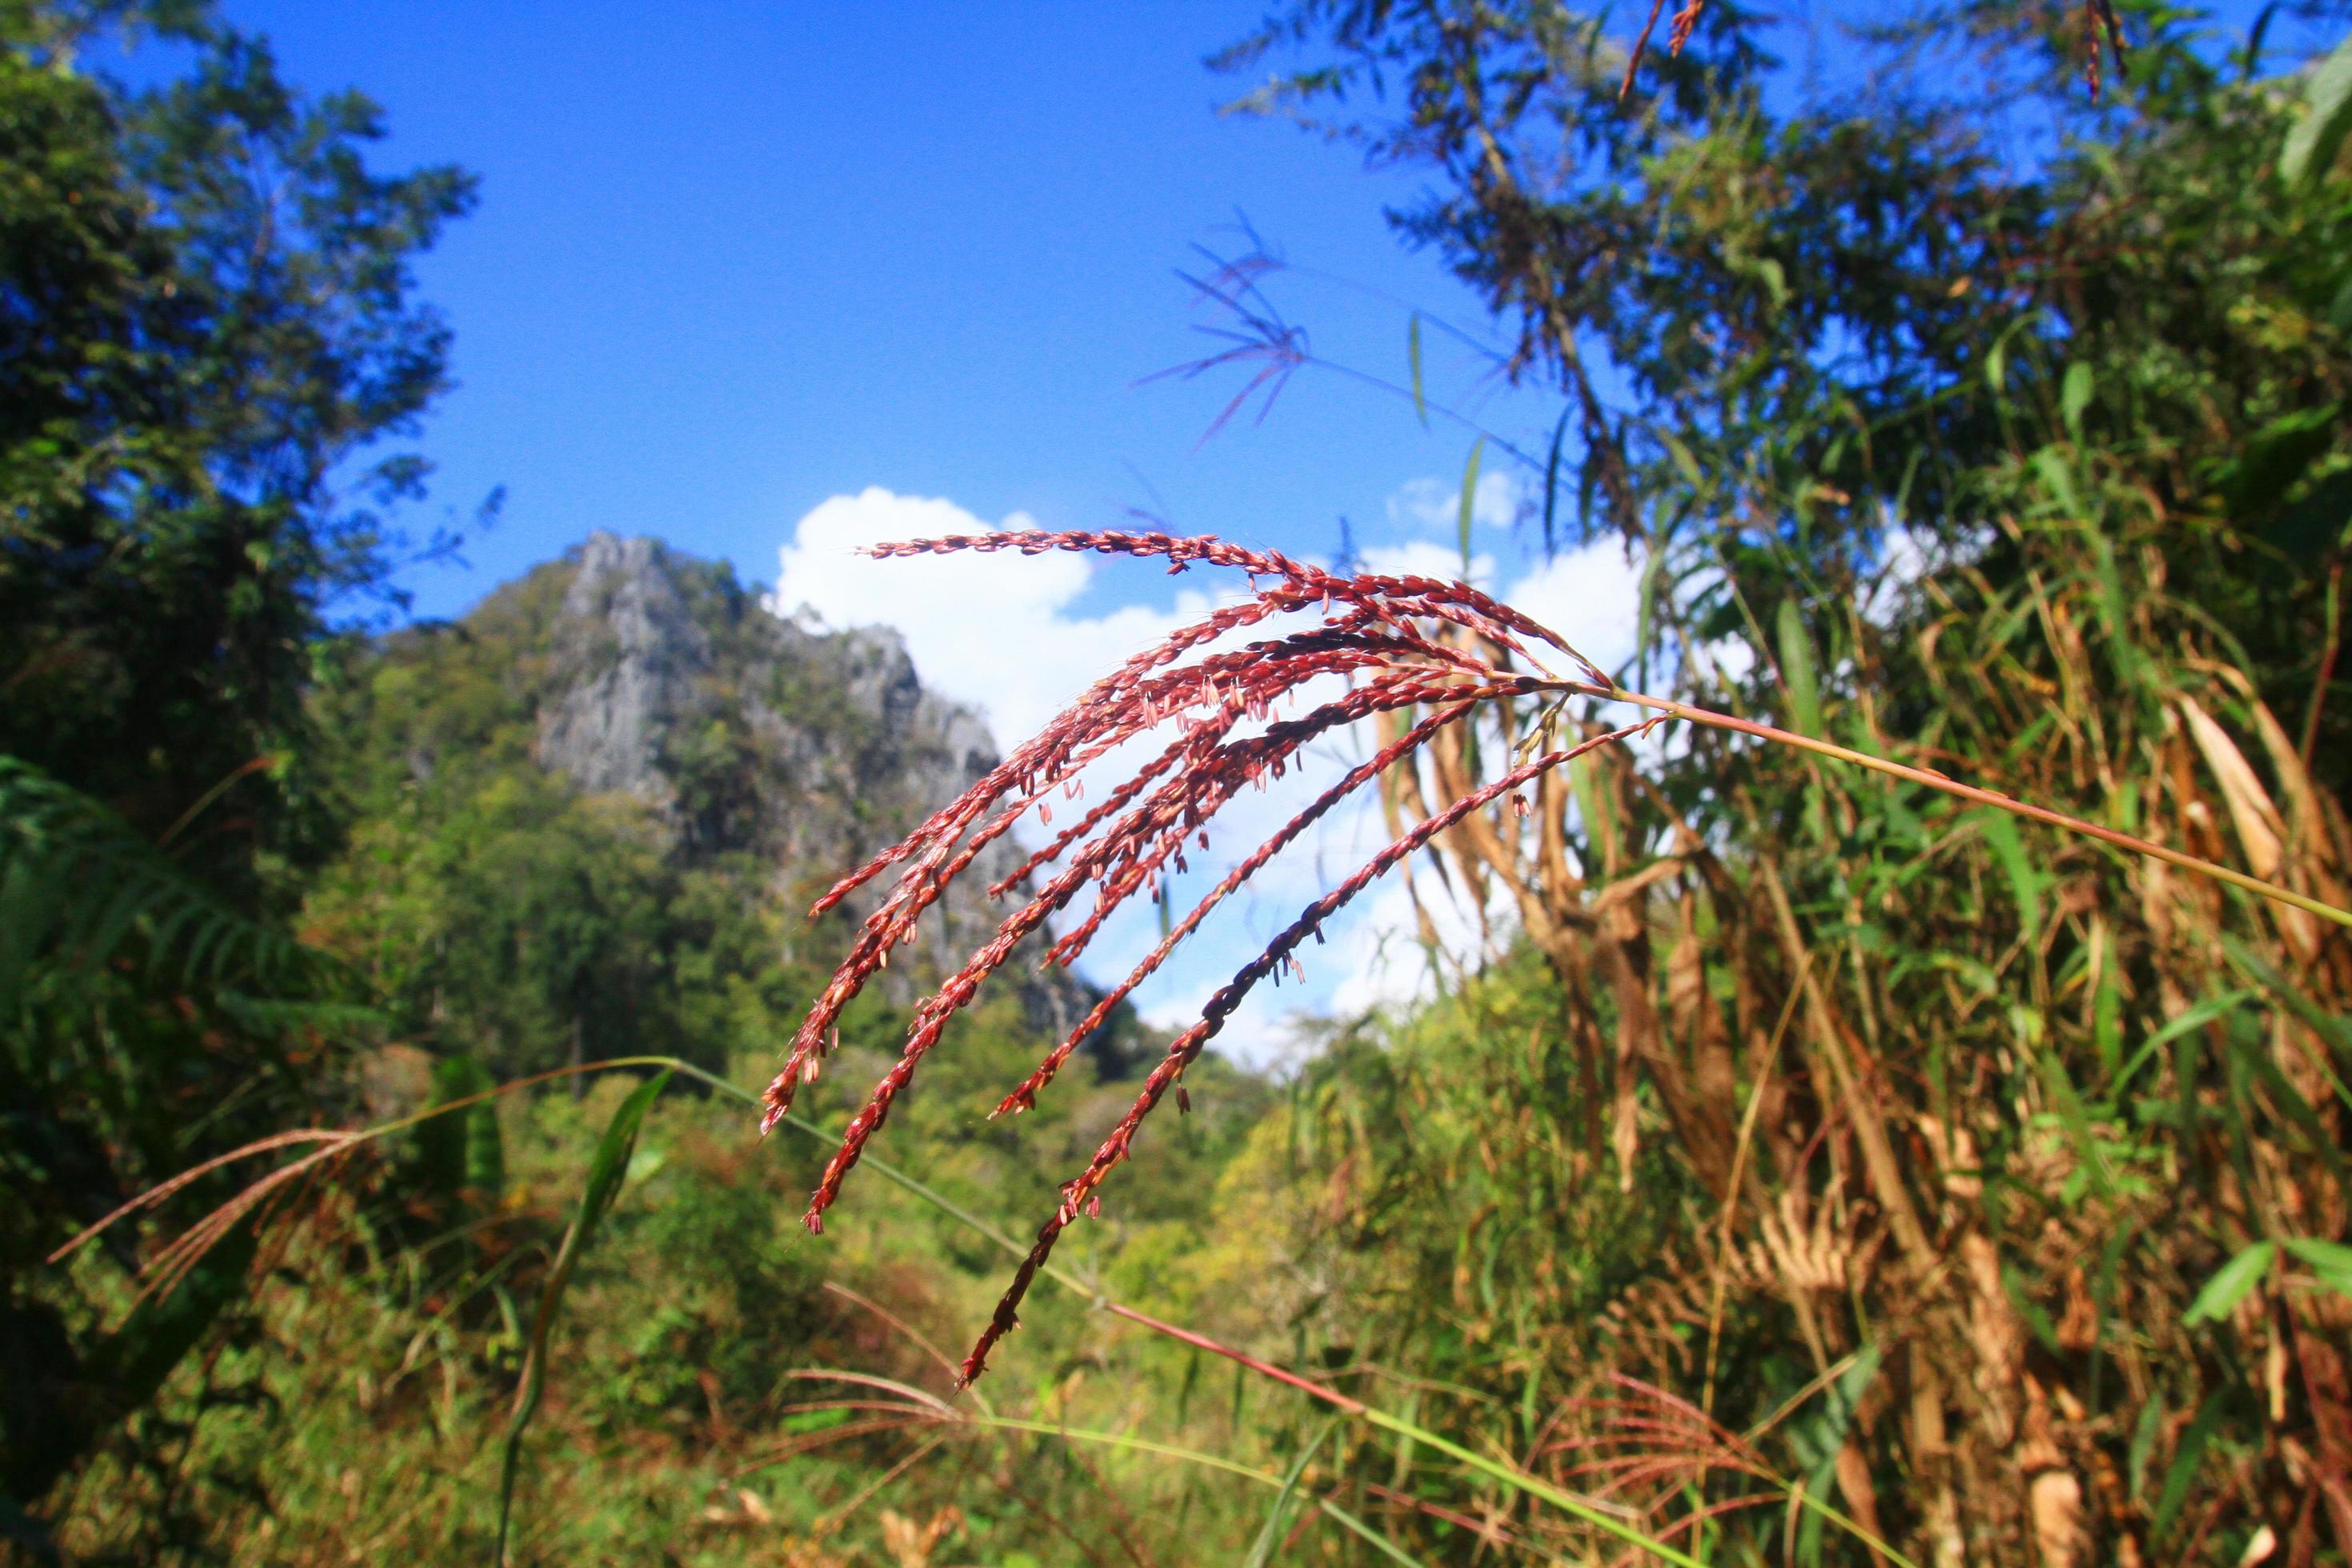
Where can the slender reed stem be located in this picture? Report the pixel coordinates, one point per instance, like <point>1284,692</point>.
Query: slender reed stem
<point>1952,786</point>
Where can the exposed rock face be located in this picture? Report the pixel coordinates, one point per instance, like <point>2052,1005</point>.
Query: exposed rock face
<point>626,625</point>
<point>666,680</point>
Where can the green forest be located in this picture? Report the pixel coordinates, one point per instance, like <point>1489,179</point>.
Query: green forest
<point>1902,1116</point>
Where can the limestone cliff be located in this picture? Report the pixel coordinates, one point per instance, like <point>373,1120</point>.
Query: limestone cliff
<point>665,678</point>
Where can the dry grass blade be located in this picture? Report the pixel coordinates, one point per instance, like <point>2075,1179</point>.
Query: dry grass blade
<point>255,1201</point>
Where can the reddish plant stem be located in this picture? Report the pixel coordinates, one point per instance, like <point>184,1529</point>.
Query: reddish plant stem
<point>1263,1368</point>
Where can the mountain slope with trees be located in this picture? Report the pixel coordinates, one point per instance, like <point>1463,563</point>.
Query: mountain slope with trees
<point>587,818</point>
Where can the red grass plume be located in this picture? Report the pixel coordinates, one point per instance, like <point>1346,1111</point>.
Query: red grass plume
<point>1370,644</point>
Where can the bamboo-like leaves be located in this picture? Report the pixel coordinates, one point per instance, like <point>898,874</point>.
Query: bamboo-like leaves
<point>1799,669</point>
<point>1270,1535</point>
<point>77,883</point>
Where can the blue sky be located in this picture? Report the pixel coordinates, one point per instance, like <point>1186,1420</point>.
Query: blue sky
<point>732,259</point>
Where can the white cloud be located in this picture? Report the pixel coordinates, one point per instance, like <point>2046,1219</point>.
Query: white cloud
<point>1419,558</point>
<point>991,631</point>
<point>1003,634</point>
<point>1590,596</point>
<point>1436,504</point>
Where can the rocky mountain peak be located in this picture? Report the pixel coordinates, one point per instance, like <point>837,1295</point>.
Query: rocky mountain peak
<point>668,679</point>
<point>626,629</point>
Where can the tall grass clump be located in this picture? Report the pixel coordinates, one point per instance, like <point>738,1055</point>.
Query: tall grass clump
<point>1871,1177</point>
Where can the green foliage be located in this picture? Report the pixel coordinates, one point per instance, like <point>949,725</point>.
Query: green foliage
<point>2319,130</point>
<point>2029,471</point>
<point>210,291</point>
<point>607,1167</point>
<point>1778,327</point>
<point>206,303</point>
<point>462,1155</point>
<point>117,967</point>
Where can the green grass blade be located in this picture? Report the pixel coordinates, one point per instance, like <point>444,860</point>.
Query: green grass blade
<point>463,1151</point>
<point>1413,352</point>
<point>2196,1017</point>
<point>2334,1031</point>
<point>1544,1491</point>
<point>1339,1515</point>
<point>1370,1537</point>
<point>605,1170</point>
<point>2184,1466</point>
<point>1551,485</point>
<point>1270,1535</point>
<point>2074,396</point>
<point>1470,497</point>
<point>2320,130</point>
<point>2331,1260</point>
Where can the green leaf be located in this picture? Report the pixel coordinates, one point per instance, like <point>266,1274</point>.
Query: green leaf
<point>1686,462</point>
<point>1798,670</point>
<point>2036,1316</point>
<point>1413,352</point>
<point>605,1172</point>
<point>2318,134</point>
<point>2076,1121</point>
<point>131,1362</point>
<point>2143,1444</point>
<point>462,1151</point>
<point>2290,1102</point>
<point>2074,396</point>
<point>2026,880</point>
<point>2106,1023</point>
<point>2336,1031</point>
<point>2196,1017</point>
<point>1470,497</point>
<point>2184,1466</point>
<point>1379,1542</point>
<point>1551,480</point>
<point>81,884</point>
<point>2331,1260</point>
<point>2049,465</point>
<point>2229,1283</point>
<point>2114,612</point>
<point>1817,1441</point>
<point>2272,461</point>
